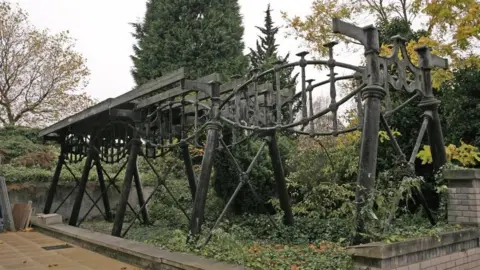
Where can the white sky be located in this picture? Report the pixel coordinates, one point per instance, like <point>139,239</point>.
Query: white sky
<point>103,34</point>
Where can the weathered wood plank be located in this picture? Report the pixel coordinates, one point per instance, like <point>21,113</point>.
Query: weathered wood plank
<point>111,103</point>
<point>148,87</point>
<point>95,109</point>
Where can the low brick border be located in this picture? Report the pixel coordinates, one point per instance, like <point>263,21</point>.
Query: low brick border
<point>142,255</point>
<point>419,253</point>
<point>463,196</point>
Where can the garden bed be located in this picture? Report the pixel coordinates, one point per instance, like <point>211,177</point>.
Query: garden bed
<point>257,245</point>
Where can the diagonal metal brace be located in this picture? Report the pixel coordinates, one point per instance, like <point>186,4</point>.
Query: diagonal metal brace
<point>106,189</point>
<point>157,187</point>
<point>243,175</point>
<point>77,183</point>
<point>163,183</point>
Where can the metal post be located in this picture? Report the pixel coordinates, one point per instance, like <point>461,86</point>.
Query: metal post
<point>103,189</point>
<point>280,180</point>
<point>187,160</point>
<point>207,163</point>
<point>81,187</point>
<point>127,185</point>
<point>140,197</point>
<point>56,177</point>
<point>372,95</point>
<point>430,105</point>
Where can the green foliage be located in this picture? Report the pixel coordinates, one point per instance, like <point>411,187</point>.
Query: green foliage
<point>322,176</point>
<point>226,177</point>
<point>460,98</point>
<point>265,56</point>
<point>202,37</point>
<point>18,141</point>
<point>232,246</point>
<point>397,26</point>
<point>18,174</point>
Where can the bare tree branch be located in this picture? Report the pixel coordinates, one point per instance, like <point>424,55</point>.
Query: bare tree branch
<point>42,76</point>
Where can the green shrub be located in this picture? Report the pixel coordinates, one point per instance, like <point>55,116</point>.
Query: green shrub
<point>18,141</point>
<point>226,176</point>
<point>20,175</point>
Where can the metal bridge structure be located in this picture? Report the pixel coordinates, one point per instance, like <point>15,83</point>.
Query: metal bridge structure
<point>175,111</point>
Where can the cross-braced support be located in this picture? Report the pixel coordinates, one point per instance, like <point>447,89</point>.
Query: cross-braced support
<point>103,190</point>
<point>140,197</point>
<point>187,160</point>
<point>213,130</point>
<point>280,179</point>
<point>127,184</point>
<point>56,177</point>
<point>82,186</point>
<point>243,176</point>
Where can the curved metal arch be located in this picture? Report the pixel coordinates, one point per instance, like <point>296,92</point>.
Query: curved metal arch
<point>112,141</point>
<point>75,147</point>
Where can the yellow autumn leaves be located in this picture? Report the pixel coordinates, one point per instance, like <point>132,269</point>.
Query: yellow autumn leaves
<point>465,154</point>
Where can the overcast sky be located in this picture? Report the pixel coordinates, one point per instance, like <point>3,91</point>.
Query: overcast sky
<point>103,33</point>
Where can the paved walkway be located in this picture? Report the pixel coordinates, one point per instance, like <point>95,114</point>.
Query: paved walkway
<point>23,250</point>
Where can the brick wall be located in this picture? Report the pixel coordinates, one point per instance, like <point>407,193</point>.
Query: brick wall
<point>450,250</point>
<point>454,250</point>
<point>469,259</point>
<point>463,196</point>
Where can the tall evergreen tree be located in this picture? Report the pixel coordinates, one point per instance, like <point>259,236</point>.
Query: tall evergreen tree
<point>261,178</point>
<point>202,36</point>
<point>265,55</point>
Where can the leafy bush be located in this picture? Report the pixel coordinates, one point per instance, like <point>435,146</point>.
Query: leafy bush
<point>25,175</point>
<point>18,141</point>
<point>460,98</point>
<point>226,176</point>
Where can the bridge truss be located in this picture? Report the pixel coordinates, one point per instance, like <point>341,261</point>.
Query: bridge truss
<point>175,112</point>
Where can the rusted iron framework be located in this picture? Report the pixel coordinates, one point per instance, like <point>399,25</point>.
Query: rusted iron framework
<point>174,111</point>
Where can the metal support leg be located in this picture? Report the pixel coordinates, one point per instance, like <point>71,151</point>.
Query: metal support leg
<point>53,187</point>
<point>103,189</point>
<point>430,104</point>
<point>141,198</point>
<point>81,188</point>
<point>207,164</point>
<point>187,160</point>
<point>372,94</point>
<point>280,180</point>
<point>127,184</point>
<point>435,138</point>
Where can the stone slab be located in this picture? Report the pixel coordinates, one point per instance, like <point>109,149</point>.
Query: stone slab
<point>463,174</point>
<point>381,250</point>
<point>48,219</point>
<point>140,254</point>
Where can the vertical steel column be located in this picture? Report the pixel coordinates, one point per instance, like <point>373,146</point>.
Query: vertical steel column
<point>103,189</point>
<point>372,95</point>
<point>430,105</point>
<point>127,185</point>
<point>207,162</point>
<point>82,185</point>
<point>187,160</point>
<point>280,180</point>
<point>140,197</point>
<point>56,177</point>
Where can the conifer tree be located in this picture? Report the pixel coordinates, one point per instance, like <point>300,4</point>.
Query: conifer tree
<point>202,36</point>
<point>265,55</point>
